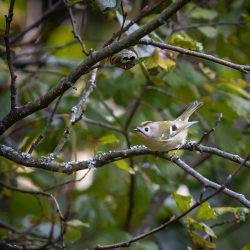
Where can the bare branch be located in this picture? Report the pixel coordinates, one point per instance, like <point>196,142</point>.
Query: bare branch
<point>240,67</point>
<point>42,135</point>
<point>8,227</point>
<point>77,113</point>
<point>219,188</point>
<point>207,133</point>
<point>215,151</point>
<point>146,11</point>
<point>105,158</point>
<point>90,61</point>
<point>102,124</point>
<point>74,31</point>
<point>13,90</point>
<point>42,193</point>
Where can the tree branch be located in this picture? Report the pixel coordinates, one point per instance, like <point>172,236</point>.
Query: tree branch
<point>13,90</point>
<point>218,189</point>
<point>74,29</point>
<point>48,195</point>
<point>90,61</point>
<point>240,67</point>
<point>104,158</point>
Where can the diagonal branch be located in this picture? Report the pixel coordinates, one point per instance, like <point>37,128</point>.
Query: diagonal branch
<point>90,61</point>
<point>74,28</point>
<point>173,219</point>
<point>13,90</point>
<point>45,194</point>
<point>77,113</point>
<point>105,158</point>
<point>240,67</point>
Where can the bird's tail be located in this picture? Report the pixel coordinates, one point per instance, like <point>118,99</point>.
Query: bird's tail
<point>189,111</point>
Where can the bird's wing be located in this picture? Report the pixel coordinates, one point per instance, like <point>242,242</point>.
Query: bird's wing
<point>170,136</point>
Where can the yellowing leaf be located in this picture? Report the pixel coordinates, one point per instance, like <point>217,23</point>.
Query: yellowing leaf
<point>166,64</point>
<point>200,241</point>
<point>209,73</point>
<point>108,139</point>
<point>185,42</point>
<point>124,166</point>
<point>199,226</point>
<point>159,61</point>
<point>183,202</point>
<point>205,212</point>
<point>240,213</point>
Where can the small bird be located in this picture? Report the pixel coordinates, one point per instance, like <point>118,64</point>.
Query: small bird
<point>167,135</point>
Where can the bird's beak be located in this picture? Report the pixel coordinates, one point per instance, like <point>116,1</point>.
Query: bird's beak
<point>136,130</point>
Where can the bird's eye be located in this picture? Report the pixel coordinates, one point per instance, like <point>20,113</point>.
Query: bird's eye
<point>146,129</point>
<point>174,128</point>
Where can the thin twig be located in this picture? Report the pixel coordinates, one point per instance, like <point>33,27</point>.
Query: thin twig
<point>124,16</point>
<point>76,115</point>
<point>128,144</point>
<point>9,227</point>
<point>74,28</point>
<point>240,67</point>
<point>42,135</point>
<point>173,219</point>
<point>102,124</point>
<point>68,182</point>
<point>90,61</point>
<point>13,90</point>
<point>207,133</point>
<point>78,110</point>
<point>144,12</point>
<point>42,193</point>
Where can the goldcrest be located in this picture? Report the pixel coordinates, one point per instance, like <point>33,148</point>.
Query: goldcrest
<point>167,135</point>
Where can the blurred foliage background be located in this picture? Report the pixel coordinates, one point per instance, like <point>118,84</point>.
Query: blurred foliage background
<point>163,83</point>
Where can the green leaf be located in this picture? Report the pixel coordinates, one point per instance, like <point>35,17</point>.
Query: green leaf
<point>239,105</point>
<point>200,241</point>
<point>202,227</point>
<point>105,5</point>
<point>209,32</point>
<point>77,223</point>
<point>124,166</point>
<point>201,13</point>
<point>72,234</point>
<point>108,139</point>
<point>205,212</point>
<point>183,202</point>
